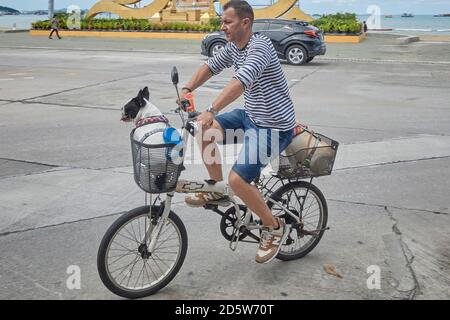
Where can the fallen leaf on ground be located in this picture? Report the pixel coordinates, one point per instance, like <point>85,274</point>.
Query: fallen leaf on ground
<point>331,269</point>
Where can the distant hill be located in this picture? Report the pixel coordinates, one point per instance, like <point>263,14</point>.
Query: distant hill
<point>8,10</point>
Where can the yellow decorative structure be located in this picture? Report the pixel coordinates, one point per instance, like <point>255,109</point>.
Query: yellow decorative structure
<point>296,14</point>
<point>119,8</point>
<point>196,12</point>
<point>274,11</point>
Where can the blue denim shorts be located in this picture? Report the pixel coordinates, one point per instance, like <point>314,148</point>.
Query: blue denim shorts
<point>260,145</point>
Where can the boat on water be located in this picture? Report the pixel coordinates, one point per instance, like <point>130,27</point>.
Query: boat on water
<point>407,15</point>
<point>382,29</point>
<point>388,16</point>
<point>442,15</point>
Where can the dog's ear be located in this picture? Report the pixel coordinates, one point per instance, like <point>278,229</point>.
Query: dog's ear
<point>146,93</point>
<point>140,99</point>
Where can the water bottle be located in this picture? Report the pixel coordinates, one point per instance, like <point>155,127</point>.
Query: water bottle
<point>172,136</point>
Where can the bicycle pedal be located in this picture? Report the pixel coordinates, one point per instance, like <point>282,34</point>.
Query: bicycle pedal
<point>213,207</point>
<point>234,240</point>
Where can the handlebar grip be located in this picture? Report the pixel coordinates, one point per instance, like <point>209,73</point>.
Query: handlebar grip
<point>185,104</point>
<point>192,127</point>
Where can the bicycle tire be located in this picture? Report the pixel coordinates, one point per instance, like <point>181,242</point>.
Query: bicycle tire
<point>119,224</point>
<point>313,190</point>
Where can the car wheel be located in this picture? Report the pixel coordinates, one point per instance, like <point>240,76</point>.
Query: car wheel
<point>296,55</point>
<point>216,48</point>
<point>309,59</point>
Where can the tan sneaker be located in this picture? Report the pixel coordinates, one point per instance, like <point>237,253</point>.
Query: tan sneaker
<point>271,241</point>
<point>200,199</point>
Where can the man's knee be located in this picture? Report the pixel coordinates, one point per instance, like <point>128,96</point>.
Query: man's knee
<point>212,134</point>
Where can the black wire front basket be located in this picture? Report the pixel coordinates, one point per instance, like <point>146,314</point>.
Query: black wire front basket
<point>156,167</point>
<point>314,161</point>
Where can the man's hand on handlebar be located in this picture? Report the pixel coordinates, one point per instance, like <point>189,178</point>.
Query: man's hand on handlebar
<point>183,94</point>
<point>205,119</point>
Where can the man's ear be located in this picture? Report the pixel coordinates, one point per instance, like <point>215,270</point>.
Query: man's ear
<point>246,21</point>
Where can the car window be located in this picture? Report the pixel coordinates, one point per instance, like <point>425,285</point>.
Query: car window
<point>280,26</point>
<point>300,27</point>
<point>260,26</point>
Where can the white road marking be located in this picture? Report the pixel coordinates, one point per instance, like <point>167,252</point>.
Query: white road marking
<point>393,150</point>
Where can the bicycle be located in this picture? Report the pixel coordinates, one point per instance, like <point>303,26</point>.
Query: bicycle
<point>158,248</point>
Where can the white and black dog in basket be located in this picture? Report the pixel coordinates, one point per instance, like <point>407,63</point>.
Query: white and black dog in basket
<point>147,118</point>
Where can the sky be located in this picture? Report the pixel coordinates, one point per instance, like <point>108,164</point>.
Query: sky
<point>309,6</point>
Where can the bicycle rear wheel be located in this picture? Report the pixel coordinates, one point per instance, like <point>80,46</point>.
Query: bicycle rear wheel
<point>307,202</point>
<point>124,264</point>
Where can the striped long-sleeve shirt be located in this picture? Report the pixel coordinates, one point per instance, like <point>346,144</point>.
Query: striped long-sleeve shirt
<point>257,67</point>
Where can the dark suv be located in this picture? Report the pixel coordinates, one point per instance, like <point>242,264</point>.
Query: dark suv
<point>296,41</point>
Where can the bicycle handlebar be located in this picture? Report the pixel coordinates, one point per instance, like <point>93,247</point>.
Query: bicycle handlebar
<point>191,123</point>
<point>191,127</point>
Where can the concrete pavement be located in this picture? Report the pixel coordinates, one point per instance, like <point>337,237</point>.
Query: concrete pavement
<point>65,172</point>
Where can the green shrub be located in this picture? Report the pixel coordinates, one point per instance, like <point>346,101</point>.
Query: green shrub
<point>133,24</point>
<point>339,22</point>
<point>216,22</point>
<point>157,26</point>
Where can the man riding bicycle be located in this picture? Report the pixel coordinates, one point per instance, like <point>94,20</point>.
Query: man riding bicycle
<point>268,118</point>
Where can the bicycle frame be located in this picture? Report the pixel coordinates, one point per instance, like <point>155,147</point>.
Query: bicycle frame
<point>189,128</point>
<point>186,186</point>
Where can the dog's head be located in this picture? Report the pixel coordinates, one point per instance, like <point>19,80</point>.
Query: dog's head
<point>132,108</point>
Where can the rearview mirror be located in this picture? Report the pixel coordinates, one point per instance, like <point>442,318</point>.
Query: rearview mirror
<point>174,75</point>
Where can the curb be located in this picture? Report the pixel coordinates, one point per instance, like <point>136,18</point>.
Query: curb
<point>379,61</point>
<point>330,38</point>
<point>13,31</point>
<point>124,34</point>
<point>174,35</point>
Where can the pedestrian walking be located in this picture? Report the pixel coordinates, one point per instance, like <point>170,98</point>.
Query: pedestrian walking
<point>55,25</point>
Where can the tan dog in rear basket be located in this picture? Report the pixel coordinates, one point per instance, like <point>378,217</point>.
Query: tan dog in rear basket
<point>309,151</point>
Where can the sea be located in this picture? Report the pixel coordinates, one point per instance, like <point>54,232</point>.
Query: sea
<point>417,25</point>
<point>21,21</point>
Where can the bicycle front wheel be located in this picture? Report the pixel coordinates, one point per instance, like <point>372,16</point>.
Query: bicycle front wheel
<point>124,263</point>
<point>305,201</point>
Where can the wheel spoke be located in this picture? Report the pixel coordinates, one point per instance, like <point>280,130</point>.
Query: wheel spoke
<point>122,246</point>
<point>131,235</point>
<point>134,233</point>
<point>120,258</point>
<point>174,246</point>
<point>120,234</point>
<point>124,267</point>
